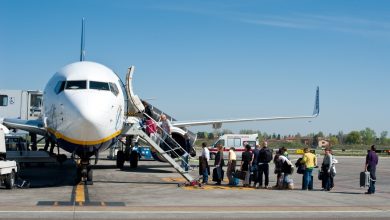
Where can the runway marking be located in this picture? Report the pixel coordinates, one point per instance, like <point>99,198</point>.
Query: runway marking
<point>79,197</point>
<point>80,193</point>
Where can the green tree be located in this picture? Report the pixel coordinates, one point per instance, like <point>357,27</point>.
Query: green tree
<point>227,131</point>
<point>201,135</point>
<point>333,140</point>
<point>383,137</point>
<point>210,135</point>
<point>368,136</point>
<point>353,138</point>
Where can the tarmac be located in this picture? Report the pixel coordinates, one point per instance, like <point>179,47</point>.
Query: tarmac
<point>152,192</point>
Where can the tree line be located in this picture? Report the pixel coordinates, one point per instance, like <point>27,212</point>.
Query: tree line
<point>366,136</point>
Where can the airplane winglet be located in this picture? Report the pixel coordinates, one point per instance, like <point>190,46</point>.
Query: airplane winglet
<point>316,111</point>
<point>82,50</point>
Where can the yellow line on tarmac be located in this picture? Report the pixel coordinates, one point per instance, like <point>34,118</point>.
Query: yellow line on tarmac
<point>80,195</point>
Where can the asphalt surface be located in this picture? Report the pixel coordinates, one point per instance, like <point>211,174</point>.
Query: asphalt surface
<point>151,192</point>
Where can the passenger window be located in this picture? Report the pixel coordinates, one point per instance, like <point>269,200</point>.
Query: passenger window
<point>3,100</point>
<point>76,85</point>
<point>237,142</point>
<point>230,142</point>
<point>59,87</point>
<point>98,85</point>
<point>114,89</point>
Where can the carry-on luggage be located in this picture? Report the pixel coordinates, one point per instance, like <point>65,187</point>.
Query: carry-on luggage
<point>215,175</point>
<point>364,179</point>
<point>240,174</point>
<point>236,181</point>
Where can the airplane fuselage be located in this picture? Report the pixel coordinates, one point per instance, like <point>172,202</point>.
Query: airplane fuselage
<point>84,108</point>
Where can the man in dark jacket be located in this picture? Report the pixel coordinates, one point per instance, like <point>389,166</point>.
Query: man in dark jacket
<point>265,156</point>
<point>371,162</point>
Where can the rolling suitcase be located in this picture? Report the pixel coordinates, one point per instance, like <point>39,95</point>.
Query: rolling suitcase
<point>364,179</point>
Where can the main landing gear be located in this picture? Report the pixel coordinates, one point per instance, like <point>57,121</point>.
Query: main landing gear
<point>127,155</point>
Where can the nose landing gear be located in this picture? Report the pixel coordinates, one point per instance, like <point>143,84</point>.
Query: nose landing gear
<point>84,172</point>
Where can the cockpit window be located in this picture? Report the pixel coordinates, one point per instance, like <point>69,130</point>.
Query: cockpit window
<point>114,89</point>
<point>59,87</point>
<point>98,85</point>
<point>76,85</point>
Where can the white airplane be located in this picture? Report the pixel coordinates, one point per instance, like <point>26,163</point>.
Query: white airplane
<point>86,107</point>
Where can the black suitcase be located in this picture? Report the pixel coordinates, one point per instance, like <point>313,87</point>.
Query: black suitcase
<point>215,175</point>
<point>240,174</point>
<point>364,179</point>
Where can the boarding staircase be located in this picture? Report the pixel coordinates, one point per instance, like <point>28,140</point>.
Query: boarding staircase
<point>172,149</point>
<point>135,107</point>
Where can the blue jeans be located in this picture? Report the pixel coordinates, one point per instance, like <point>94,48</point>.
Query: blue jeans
<point>205,175</point>
<point>307,181</point>
<point>184,162</point>
<point>372,171</point>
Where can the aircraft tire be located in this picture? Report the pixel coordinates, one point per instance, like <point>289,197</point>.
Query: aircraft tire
<point>120,159</point>
<point>9,181</point>
<point>90,176</point>
<point>134,159</point>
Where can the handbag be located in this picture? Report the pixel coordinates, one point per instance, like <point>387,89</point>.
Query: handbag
<point>333,170</point>
<point>320,175</point>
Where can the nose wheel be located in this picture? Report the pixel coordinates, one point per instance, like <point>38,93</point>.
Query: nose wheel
<point>84,173</point>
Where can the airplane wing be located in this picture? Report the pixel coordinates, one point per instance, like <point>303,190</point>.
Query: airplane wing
<point>218,123</point>
<point>34,126</point>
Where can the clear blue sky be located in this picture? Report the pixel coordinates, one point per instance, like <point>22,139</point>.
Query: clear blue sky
<point>218,59</point>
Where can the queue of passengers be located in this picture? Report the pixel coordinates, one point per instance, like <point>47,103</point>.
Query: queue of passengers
<point>255,165</point>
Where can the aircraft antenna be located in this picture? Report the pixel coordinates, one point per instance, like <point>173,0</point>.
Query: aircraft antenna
<point>82,50</point>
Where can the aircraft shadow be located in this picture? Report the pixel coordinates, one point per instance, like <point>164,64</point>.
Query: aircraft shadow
<point>48,175</point>
<point>135,182</point>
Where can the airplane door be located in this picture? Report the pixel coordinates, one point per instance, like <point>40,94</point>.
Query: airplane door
<point>134,105</point>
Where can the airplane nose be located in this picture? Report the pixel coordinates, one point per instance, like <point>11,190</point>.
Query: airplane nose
<point>88,117</point>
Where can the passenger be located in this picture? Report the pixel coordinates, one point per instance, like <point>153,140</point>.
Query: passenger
<point>332,170</point>
<point>151,130</point>
<point>286,169</point>
<point>231,165</point>
<point>205,157</point>
<point>284,152</point>
<point>310,161</point>
<point>148,110</point>
<point>219,162</point>
<point>246,164</point>
<point>166,131</point>
<point>255,165</point>
<point>327,163</point>
<point>265,156</point>
<point>166,126</point>
<point>278,169</point>
<point>186,156</point>
<point>371,162</point>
